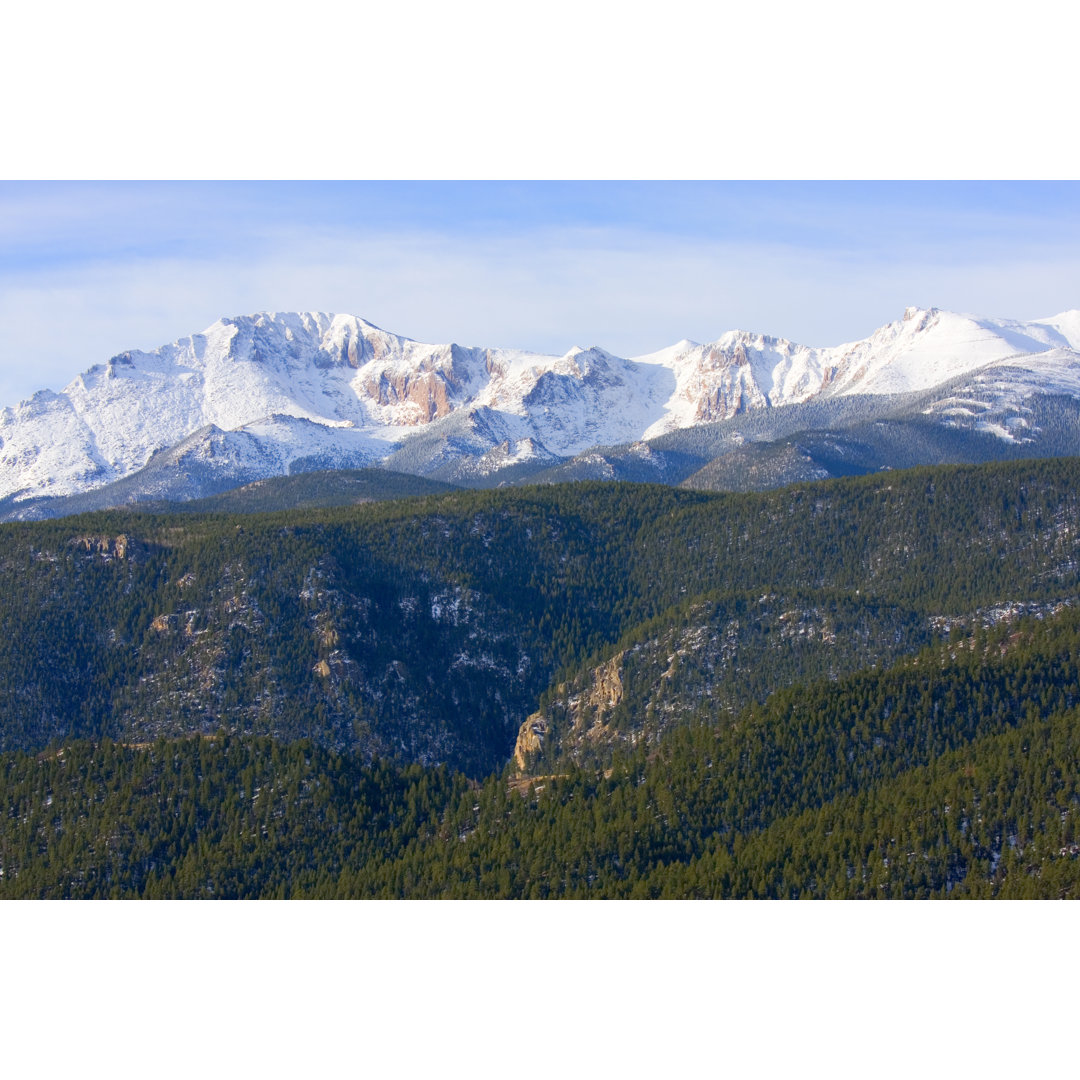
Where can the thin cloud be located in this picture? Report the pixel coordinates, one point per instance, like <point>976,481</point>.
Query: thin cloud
<point>628,290</point>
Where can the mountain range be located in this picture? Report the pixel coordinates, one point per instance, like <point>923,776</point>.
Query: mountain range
<point>268,395</point>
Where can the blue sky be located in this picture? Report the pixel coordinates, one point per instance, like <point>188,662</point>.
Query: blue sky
<point>90,269</point>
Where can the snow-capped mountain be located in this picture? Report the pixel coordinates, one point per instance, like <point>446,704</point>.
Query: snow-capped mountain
<point>272,393</point>
<point>925,348</point>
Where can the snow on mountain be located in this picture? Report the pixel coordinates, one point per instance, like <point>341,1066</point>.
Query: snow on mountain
<point>273,392</point>
<point>929,347</point>
<point>335,371</point>
<point>991,398</point>
<point>742,371</point>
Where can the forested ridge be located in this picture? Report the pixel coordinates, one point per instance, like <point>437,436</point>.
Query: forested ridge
<point>953,773</point>
<point>826,690</point>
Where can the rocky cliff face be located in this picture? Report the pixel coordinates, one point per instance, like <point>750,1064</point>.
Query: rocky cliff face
<point>580,712</point>
<point>530,739</point>
<point>107,547</point>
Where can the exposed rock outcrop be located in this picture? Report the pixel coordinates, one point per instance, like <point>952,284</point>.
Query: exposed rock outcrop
<point>530,739</point>
<point>585,712</point>
<point>108,547</point>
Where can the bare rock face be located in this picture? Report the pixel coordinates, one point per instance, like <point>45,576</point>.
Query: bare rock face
<point>427,391</point>
<point>585,712</point>
<point>530,739</point>
<point>588,710</point>
<point>108,547</point>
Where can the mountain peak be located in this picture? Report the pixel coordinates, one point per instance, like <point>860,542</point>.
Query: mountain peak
<point>347,381</point>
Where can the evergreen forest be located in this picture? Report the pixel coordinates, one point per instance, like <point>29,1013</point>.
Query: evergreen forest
<point>853,688</point>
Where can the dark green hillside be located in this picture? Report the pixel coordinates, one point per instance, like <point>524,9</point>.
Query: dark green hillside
<point>204,817</point>
<point>422,630</point>
<point>998,818</point>
<point>718,651</point>
<point>946,538</point>
<point>956,772</point>
<point>707,791</point>
<point>427,629</point>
